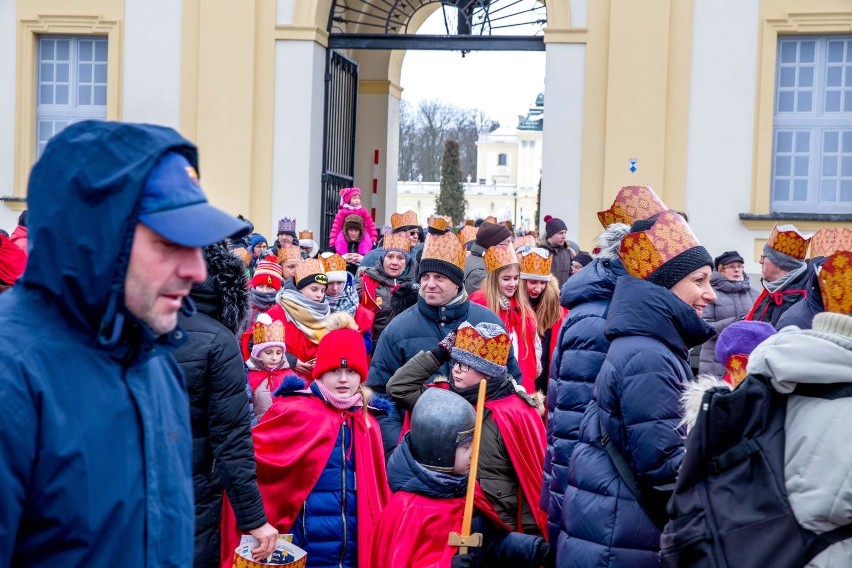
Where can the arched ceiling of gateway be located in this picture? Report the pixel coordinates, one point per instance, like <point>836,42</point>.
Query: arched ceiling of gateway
<point>392,24</point>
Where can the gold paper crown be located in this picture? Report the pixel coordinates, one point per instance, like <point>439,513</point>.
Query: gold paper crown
<point>527,240</point>
<point>491,219</point>
<point>467,234</point>
<point>499,256</point>
<point>826,242</point>
<point>444,247</point>
<point>788,240</point>
<point>243,254</point>
<point>440,222</point>
<point>632,203</point>
<point>271,333</point>
<point>644,252</point>
<point>307,268</point>
<point>407,219</point>
<point>289,252</point>
<point>494,349</point>
<point>470,222</point>
<point>535,265</point>
<point>736,367</point>
<point>835,283</point>
<point>333,263</point>
<point>397,241</point>
<point>306,234</point>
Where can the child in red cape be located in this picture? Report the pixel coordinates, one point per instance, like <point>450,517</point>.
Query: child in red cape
<point>268,363</point>
<point>310,447</point>
<point>511,456</point>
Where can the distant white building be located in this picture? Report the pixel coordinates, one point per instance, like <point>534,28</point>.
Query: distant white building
<point>508,171</point>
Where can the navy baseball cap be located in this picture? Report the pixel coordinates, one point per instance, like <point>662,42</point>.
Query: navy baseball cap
<point>174,206</point>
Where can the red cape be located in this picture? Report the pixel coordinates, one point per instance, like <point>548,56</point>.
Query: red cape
<point>297,342</point>
<point>525,439</point>
<point>777,297</point>
<point>292,446</point>
<point>414,530</point>
<point>369,299</point>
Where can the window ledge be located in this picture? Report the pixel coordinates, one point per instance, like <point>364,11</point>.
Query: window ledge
<point>14,203</point>
<point>803,221</point>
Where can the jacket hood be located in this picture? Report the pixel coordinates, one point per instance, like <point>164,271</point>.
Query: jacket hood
<point>722,284</point>
<point>406,474</point>
<point>794,356</point>
<point>641,308</point>
<point>595,282</point>
<point>224,296</point>
<point>378,273</point>
<point>83,196</point>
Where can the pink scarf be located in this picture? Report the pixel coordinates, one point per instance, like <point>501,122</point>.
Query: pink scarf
<point>337,402</point>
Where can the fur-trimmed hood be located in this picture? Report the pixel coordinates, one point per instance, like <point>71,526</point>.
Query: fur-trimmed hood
<point>693,394</point>
<point>224,296</point>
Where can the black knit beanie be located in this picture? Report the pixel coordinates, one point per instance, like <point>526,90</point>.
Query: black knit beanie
<point>679,267</point>
<point>449,270</point>
<point>553,225</point>
<point>491,234</point>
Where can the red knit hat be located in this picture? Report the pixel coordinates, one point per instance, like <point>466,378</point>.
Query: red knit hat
<point>268,272</point>
<point>341,348</point>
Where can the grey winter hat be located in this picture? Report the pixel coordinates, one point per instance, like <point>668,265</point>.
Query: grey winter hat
<point>440,422</point>
<point>781,260</point>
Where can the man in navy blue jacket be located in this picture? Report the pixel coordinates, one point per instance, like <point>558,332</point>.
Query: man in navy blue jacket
<point>95,442</point>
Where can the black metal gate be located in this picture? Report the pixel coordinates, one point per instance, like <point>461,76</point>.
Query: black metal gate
<point>338,155</point>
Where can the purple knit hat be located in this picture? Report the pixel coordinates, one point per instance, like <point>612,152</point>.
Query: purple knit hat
<point>741,338</point>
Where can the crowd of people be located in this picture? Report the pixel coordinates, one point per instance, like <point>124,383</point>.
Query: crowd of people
<point>194,385</point>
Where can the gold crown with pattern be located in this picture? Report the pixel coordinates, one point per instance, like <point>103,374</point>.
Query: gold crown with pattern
<point>267,332</point>
<point>440,222</point>
<point>306,234</point>
<point>398,241</point>
<point>643,252</point>
<point>289,252</point>
<point>787,239</point>
<point>407,219</point>
<point>835,283</point>
<point>497,257</point>
<point>736,367</point>
<point>333,262</point>
<point>445,247</point>
<point>631,204</point>
<point>491,219</point>
<point>526,240</point>
<point>467,234</point>
<point>307,268</point>
<point>493,349</point>
<point>826,242</point>
<point>535,264</point>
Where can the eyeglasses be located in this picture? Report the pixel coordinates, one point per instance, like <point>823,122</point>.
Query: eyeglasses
<point>462,367</point>
<point>414,233</point>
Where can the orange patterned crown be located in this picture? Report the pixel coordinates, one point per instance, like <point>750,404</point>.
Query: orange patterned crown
<point>787,239</point>
<point>632,203</point>
<point>310,267</point>
<point>332,262</point>
<point>826,242</point>
<point>467,234</point>
<point>526,240</point>
<point>289,252</point>
<point>398,241</point>
<point>267,331</point>
<point>736,367</point>
<point>470,222</point>
<point>440,222</point>
<point>835,283</point>
<point>485,341</point>
<point>499,256</point>
<point>306,234</point>
<point>445,247</point>
<point>644,252</point>
<point>535,264</point>
<point>491,219</point>
<point>407,219</point>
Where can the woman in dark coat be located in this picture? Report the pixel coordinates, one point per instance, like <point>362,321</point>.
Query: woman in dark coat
<point>734,299</point>
<point>653,320</point>
<point>222,453</point>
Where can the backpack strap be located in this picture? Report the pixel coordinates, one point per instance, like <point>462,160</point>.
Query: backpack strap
<point>656,513</point>
<point>826,539</point>
<point>828,391</point>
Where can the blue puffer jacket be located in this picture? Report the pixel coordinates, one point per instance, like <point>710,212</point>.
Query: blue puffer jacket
<point>637,396</point>
<point>327,525</point>
<point>576,362</point>
<point>420,328</point>
<point>802,313</point>
<point>95,442</point>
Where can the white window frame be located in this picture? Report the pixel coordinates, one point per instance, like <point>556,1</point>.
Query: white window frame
<point>806,172</point>
<point>52,117</point>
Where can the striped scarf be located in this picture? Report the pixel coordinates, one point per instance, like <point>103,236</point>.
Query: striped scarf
<point>305,314</point>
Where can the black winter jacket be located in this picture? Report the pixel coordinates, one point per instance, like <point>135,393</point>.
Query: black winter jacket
<point>222,452</point>
<point>802,313</point>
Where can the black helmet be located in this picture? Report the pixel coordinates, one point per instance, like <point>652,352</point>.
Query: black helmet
<point>440,422</point>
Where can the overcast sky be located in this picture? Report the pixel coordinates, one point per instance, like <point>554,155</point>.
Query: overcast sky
<point>502,83</point>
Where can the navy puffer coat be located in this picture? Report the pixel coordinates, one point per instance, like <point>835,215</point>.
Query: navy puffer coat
<point>580,352</point>
<point>802,313</point>
<point>637,397</point>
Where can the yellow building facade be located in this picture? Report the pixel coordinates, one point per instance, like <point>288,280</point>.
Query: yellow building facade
<point>679,94</point>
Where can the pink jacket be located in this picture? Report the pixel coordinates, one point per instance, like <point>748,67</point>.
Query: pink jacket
<point>342,247</point>
<point>342,213</point>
